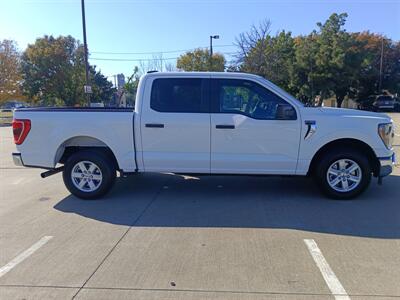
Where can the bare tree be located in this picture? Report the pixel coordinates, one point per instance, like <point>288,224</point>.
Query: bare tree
<point>256,36</point>
<point>170,67</point>
<point>154,64</point>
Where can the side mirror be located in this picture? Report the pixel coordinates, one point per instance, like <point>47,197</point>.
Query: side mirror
<point>285,112</point>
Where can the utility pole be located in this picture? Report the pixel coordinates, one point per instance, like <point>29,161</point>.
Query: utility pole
<point>87,87</point>
<point>380,69</point>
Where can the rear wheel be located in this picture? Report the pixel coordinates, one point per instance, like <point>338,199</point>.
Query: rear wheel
<point>89,174</point>
<point>343,174</point>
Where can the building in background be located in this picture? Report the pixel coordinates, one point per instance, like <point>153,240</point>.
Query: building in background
<point>120,81</point>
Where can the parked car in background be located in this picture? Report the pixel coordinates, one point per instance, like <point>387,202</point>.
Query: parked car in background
<point>13,104</point>
<point>97,104</point>
<point>397,104</point>
<point>367,104</point>
<point>384,103</point>
<point>207,123</point>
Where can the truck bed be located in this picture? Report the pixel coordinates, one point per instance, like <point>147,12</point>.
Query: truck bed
<point>53,129</point>
<point>76,109</point>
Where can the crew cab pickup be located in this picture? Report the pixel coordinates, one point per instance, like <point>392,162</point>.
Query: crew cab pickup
<point>206,123</point>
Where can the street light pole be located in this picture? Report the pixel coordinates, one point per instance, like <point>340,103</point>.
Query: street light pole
<point>211,47</point>
<point>86,88</point>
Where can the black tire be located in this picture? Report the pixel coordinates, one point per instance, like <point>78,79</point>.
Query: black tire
<point>106,170</point>
<point>329,158</point>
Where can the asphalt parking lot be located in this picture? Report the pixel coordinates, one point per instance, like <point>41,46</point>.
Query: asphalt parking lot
<point>163,236</point>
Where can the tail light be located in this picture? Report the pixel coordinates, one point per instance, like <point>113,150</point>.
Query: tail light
<point>21,129</point>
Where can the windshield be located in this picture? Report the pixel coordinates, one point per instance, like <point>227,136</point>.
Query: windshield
<point>385,98</point>
<point>282,91</point>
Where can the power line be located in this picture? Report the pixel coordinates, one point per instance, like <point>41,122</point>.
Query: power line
<point>128,59</point>
<point>144,59</point>
<point>157,52</point>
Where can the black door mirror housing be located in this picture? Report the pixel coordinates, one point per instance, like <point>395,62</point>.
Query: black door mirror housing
<point>285,112</point>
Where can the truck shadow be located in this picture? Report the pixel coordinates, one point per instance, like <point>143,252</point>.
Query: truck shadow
<point>167,200</point>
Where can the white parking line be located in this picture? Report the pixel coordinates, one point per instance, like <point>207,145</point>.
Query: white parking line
<point>18,181</point>
<point>331,280</point>
<point>20,258</point>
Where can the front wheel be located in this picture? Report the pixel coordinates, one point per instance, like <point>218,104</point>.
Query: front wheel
<point>343,175</point>
<point>89,174</point>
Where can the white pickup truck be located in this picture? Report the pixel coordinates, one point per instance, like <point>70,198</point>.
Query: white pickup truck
<point>206,123</point>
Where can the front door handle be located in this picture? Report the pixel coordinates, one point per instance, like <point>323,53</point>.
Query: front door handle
<point>225,126</point>
<point>153,125</point>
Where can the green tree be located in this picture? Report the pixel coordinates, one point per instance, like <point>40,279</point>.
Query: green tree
<point>303,80</point>
<point>276,60</point>
<point>369,48</point>
<point>323,63</point>
<point>130,88</point>
<point>10,73</point>
<point>53,71</point>
<point>103,89</point>
<point>199,60</point>
<point>269,56</point>
<point>133,81</point>
<point>335,68</point>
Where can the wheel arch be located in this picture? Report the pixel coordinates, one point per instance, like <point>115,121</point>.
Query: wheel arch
<point>348,143</point>
<point>78,143</point>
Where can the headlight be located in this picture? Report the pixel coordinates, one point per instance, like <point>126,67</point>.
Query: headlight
<point>386,132</point>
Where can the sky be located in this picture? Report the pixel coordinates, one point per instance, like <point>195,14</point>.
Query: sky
<point>117,27</point>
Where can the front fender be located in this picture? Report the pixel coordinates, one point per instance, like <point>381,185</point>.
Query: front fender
<point>309,147</point>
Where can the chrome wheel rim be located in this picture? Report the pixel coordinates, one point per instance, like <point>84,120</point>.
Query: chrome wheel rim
<point>86,176</point>
<point>344,175</point>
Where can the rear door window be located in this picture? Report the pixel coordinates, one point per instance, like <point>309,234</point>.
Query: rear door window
<point>179,95</point>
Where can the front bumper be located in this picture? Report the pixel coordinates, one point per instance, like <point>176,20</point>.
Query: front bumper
<point>386,165</point>
<point>17,159</point>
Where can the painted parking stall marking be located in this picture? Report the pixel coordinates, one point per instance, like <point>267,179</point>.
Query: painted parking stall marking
<point>330,278</point>
<point>24,255</point>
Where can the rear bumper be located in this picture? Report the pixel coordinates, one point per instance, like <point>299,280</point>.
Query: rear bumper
<point>386,165</point>
<point>17,159</point>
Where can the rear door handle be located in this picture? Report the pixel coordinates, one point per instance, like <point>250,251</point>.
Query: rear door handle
<point>153,125</point>
<point>225,126</point>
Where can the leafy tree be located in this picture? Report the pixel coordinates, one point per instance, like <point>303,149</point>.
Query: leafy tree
<point>391,67</point>
<point>200,60</point>
<point>53,71</point>
<point>133,81</point>
<point>327,62</point>
<point>130,88</point>
<point>10,74</point>
<point>276,57</point>
<point>103,89</point>
<point>334,65</point>
<point>303,81</point>
<point>369,48</point>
